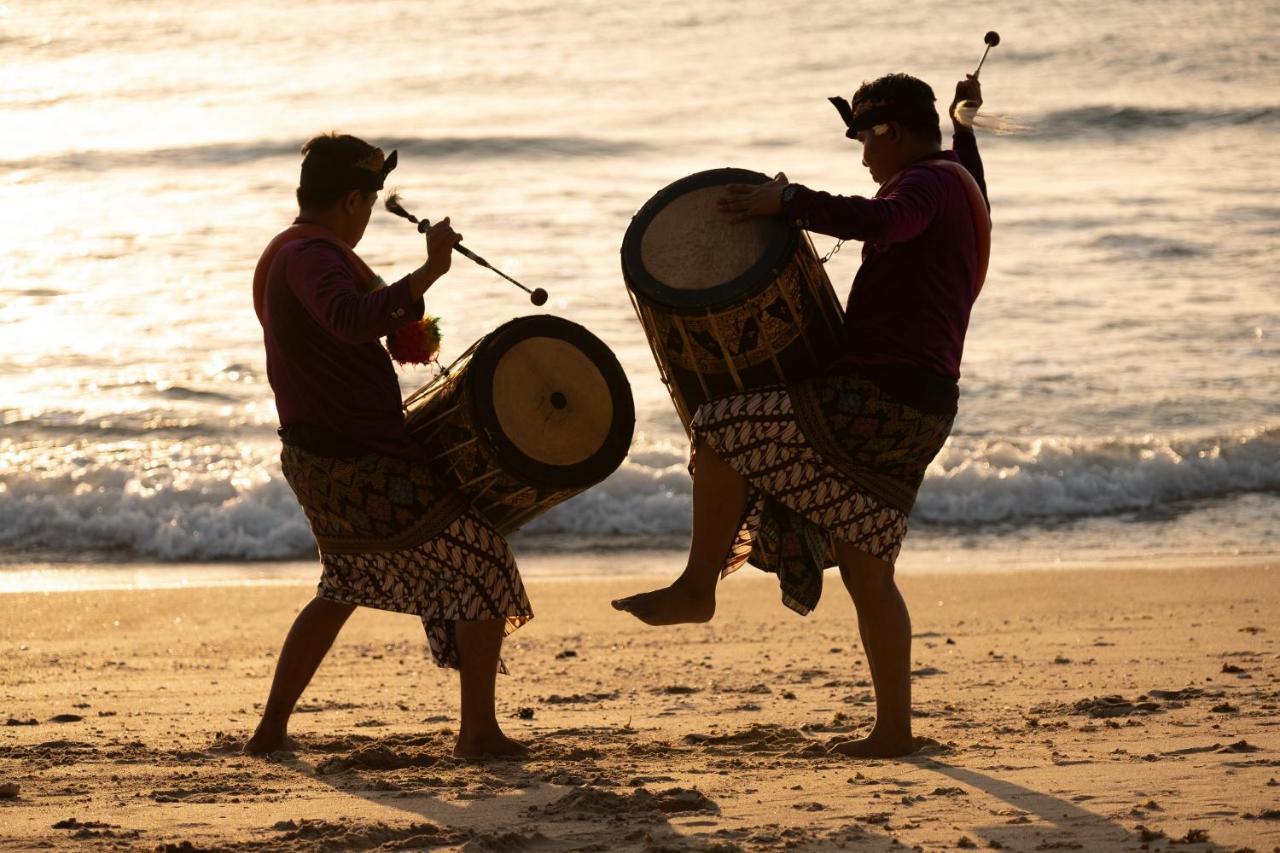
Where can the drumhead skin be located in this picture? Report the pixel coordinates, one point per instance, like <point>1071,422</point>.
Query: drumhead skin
<point>680,251</point>
<point>553,402</point>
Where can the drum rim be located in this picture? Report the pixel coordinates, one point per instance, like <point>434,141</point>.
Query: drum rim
<point>514,462</point>
<point>756,278</point>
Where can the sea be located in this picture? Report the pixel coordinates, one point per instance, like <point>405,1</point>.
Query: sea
<point>1121,377</point>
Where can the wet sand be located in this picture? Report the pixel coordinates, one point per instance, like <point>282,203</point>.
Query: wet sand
<point>1090,710</point>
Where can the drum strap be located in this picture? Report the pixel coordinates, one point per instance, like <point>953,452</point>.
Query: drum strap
<point>303,231</point>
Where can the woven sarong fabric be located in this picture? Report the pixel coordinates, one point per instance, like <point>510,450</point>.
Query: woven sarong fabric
<point>392,536</point>
<point>826,459</point>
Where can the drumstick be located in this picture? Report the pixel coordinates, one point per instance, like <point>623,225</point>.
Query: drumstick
<point>992,38</point>
<point>537,296</point>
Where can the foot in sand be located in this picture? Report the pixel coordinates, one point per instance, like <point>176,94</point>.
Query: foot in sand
<point>673,605</point>
<point>876,745</point>
<point>496,745</point>
<point>265,743</point>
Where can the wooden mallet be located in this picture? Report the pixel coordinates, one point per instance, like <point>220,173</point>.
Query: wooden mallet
<point>537,296</point>
<point>992,39</point>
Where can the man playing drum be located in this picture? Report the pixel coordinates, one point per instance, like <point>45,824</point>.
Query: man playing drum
<point>391,535</point>
<point>829,466</point>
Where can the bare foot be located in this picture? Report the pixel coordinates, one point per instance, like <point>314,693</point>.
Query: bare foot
<point>265,743</point>
<point>496,745</point>
<point>875,745</point>
<point>672,605</point>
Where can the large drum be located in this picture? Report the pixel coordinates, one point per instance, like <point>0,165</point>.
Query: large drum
<point>726,307</point>
<point>533,413</point>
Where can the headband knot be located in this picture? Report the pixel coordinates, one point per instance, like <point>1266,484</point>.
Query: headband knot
<point>370,173</point>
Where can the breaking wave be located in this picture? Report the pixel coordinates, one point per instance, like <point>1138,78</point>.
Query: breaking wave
<point>171,501</point>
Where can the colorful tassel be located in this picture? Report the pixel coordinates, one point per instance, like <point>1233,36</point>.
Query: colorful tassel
<point>417,342</point>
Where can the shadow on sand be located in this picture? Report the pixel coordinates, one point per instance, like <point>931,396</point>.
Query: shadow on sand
<point>1068,820</point>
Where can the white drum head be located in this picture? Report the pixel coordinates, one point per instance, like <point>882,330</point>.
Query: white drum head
<point>552,401</point>
<point>691,245</point>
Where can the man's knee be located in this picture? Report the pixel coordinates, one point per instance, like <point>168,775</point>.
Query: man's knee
<point>329,610</point>
<point>866,577</point>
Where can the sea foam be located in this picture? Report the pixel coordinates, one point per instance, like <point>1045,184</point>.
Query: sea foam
<point>166,500</point>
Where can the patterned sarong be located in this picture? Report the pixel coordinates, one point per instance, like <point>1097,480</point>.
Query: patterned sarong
<point>833,458</point>
<point>393,536</point>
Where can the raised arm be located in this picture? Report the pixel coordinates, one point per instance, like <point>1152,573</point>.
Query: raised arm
<point>963,141</point>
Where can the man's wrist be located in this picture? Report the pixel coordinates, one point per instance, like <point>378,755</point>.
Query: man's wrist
<point>787,194</point>
<point>421,279</point>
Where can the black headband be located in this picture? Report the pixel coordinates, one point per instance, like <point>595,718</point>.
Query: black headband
<point>368,175</point>
<point>865,115</point>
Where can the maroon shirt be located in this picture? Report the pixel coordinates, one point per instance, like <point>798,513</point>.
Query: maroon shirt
<point>325,362</point>
<point>911,298</point>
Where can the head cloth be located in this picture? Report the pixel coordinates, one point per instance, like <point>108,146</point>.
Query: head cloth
<point>866,114</point>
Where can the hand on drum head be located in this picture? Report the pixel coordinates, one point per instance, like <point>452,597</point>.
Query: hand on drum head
<point>741,202</point>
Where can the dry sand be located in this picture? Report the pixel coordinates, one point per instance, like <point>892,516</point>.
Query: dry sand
<point>1099,710</point>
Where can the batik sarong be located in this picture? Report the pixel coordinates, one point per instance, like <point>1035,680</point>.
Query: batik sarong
<point>833,458</point>
<point>393,536</point>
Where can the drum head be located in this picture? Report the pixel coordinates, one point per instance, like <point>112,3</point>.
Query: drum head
<point>680,251</point>
<point>553,401</point>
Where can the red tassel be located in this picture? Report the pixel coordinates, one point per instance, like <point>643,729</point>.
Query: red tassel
<point>417,342</point>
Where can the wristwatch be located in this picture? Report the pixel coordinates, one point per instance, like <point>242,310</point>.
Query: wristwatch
<point>788,193</point>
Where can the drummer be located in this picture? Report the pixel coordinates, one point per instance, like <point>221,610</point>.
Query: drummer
<point>831,465</point>
<point>390,535</point>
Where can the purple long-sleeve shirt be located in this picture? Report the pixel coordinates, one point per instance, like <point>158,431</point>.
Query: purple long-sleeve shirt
<point>324,359</point>
<point>911,298</point>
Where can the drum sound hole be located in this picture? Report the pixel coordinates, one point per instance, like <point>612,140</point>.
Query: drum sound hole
<point>558,400</point>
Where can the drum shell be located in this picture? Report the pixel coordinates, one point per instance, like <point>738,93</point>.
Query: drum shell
<point>445,418</point>
<point>781,323</point>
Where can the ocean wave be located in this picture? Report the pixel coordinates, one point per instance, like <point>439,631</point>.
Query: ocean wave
<point>141,424</point>
<point>1047,481</point>
<point>1112,120</point>
<point>1148,247</point>
<point>174,501</point>
<point>1055,480</point>
<point>161,501</point>
<point>128,410</point>
<point>237,153</point>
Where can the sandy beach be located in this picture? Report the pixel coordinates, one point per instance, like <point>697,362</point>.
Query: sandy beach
<point>1092,710</point>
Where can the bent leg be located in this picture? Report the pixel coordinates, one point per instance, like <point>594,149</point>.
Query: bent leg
<point>719,498</point>
<point>479,645</point>
<point>309,640</point>
<point>885,627</point>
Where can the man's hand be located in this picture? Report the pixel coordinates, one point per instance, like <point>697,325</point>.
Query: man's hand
<point>741,202</point>
<point>441,238</point>
<point>968,89</point>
